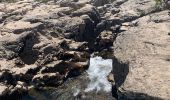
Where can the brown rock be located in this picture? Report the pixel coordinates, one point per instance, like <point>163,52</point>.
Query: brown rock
<point>21,26</point>
<point>141,66</point>
<point>47,79</point>
<point>3,90</point>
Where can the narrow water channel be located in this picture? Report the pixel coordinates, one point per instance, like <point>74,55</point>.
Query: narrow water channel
<point>91,85</point>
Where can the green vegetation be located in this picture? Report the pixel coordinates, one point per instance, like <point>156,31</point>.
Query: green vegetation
<point>9,1</point>
<point>43,1</point>
<point>161,4</point>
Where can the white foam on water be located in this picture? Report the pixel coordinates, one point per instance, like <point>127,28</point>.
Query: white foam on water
<point>76,92</point>
<point>98,71</point>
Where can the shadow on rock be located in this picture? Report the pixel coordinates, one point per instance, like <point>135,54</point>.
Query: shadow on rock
<point>129,95</point>
<point>120,72</point>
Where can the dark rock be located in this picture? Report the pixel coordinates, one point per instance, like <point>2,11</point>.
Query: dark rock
<point>89,10</point>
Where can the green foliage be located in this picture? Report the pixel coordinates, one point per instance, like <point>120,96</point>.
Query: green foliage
<point>11,1</point>
<point>8,1</point>
<point>43,1</point>
<point>158,4</point>
<point>161,4</point>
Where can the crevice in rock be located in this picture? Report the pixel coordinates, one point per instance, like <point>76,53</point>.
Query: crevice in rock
<point>120,71</point>
<point>27,54</point>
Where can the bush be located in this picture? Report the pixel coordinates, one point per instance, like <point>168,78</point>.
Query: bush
<point>44,1</point>
<point>162,4</point>
<point>8,1</point>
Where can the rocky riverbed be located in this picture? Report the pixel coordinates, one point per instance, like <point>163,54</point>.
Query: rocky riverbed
<point>85,50</point>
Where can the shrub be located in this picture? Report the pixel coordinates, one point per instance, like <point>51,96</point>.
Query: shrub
<point>9,1</point>
<point>162,4</point>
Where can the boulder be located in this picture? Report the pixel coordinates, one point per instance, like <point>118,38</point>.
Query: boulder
<point>141,64</point>
<point>133,9</point>
<point>89,10</point>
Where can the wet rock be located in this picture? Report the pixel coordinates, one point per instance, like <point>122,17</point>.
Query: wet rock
<point>110,78</point>
<point>73,89</point>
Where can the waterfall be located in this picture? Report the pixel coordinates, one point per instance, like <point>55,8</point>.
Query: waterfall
<point>98,71</point>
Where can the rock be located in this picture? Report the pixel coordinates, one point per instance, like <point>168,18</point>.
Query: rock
<point>133,9</point>
<point>118,3</point>
<point>44,12</point>
<point>114,10</point>
<point>20,26</point>
<point>169,33</point>
<point>101,2</point>
<point>142,55</point>
<point>77,45</point>
<point>3,90</point>
<point>26,72</point>
<point>103,41</point>
<point>46,44</point>
<point>1,16</point>
<point>89,29</point>
<point>47,79</point>
<point>12,44</point>
<point>19,88</point>
<point>73,56</point>
<point>75,4</point>
<point>110,78</point>
<point>88,10</point>
<point>72,28</point>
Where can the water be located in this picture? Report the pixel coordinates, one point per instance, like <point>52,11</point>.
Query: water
<point>98,71</point>
<point>91,85</point>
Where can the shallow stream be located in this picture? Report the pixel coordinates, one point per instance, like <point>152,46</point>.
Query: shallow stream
<point>90,85</point>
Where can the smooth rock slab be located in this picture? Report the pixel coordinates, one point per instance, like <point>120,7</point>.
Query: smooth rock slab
<point>21,26</point>
<point>145,50</point>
